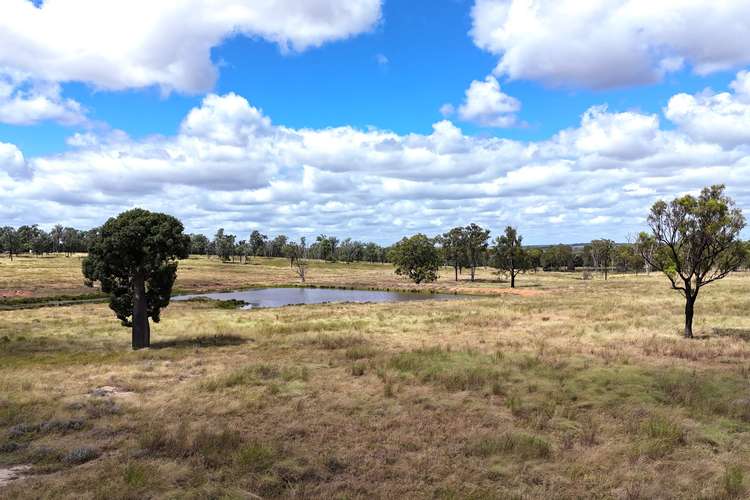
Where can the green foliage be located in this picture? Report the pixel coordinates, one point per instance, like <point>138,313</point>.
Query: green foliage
<point>509,256</point>
<point>417,258</point>
<point>694,241</point>
<point>136,243</point>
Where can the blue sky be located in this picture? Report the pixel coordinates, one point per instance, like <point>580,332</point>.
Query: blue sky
<point>363,85</point>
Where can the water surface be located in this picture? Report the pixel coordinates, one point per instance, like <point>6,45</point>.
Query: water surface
<point>278,297</point>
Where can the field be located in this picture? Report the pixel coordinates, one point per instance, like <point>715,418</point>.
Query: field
<point>565,388</point>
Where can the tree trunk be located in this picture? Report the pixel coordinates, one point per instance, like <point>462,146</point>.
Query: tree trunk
<point>455,269</point>
<point>141,333</point>
<point>512,279</point>
<point>473,271</point>
<point>689,307</point>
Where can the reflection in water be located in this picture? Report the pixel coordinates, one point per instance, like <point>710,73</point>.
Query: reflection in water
<point>278,297</point>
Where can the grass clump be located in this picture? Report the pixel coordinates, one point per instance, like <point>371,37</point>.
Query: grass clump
<point>257,375</point>
<point>659,437</point>
<point>255,457</point>
<point>521,445</point>
<point>733,481</point>
<point>456,371</point>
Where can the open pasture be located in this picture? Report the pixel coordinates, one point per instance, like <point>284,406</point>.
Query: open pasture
<point>568,388</point>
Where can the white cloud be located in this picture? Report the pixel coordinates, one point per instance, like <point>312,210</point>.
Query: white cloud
<point>12,162</point>
<point>487,105</point>
<point>610,43</point>
<point>229,165</point>
<point>140,43</point>
<point>24,101</point>
<point>722,118</point>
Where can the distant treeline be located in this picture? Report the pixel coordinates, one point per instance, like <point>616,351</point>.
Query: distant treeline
<point>462,247</point>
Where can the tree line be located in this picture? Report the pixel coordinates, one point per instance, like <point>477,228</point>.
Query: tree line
<point>694,241</point>
<point>329,248</point>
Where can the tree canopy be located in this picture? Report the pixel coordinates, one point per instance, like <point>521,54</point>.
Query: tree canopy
<point>694,241</point>
<point>134,258</point>
<point>417,258</point>
<point>509,255</point>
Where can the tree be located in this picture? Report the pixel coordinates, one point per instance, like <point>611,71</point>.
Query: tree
<point>417,258</point>
<point>454,249</point>
<point>224,245</point>
<point>257,243</point>
<point>134,258</point>
<point>535,258</point>
<point>475,243</point>
<point>510,255</point>
<point>277,246</point>
<point>695,241</point>
<point>297,255</point>
<point>9,241</point>
<point>602,253</point>
<point>56,233</point>
<point>198,244</point>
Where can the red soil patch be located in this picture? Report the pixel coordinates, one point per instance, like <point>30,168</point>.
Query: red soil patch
<point>523,292</point>
<point>15,293</point>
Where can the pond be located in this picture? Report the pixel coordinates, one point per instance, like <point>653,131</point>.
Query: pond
<point>278,297</point>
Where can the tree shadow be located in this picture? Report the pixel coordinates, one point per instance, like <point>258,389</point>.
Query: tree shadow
<point>201,342</point>
<point>740,333</point>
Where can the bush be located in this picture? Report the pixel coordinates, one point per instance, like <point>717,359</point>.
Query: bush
<point>80,456</point>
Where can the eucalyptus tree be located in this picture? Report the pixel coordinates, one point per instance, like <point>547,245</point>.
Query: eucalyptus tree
<point>475,243</point>
<point>694,241</point>
<point>602,253</point>
<point>454,249</point>
<point>509,255</point>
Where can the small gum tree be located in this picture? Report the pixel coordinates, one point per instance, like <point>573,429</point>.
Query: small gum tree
<point>417,258</point>
<point>602,253</point>
<point>134,258</point>
<point>475,242</point>
<point>694,241</point>
<point>510,256</point>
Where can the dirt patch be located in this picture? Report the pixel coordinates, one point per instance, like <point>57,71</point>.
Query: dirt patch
<point>523,292</point>
<point>4,294</point>
<point>12,473</point>
<point>111,391</point>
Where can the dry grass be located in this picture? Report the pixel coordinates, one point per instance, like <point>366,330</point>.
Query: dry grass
<point>585,390</point>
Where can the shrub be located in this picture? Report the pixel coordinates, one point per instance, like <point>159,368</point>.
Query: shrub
<point>80,456</point>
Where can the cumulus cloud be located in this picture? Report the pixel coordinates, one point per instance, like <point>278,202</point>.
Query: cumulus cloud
<point>722,118</point>
<point>229,165</point>
<point>611,43</point>
<point>12,162</point>
<point>140,43</point>
<point>486,105</point>
<point>25,101</point>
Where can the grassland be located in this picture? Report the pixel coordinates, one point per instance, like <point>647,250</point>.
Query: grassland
<point>568,389</point>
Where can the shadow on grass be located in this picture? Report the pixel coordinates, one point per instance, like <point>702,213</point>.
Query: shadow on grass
<point>740,333</point>
<point>201,341</point>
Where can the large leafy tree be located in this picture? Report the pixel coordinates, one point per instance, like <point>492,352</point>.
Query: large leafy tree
<point>475,243</point>
<point>509,255</point>
<point>417,258</point>
<point>134,258</point>
<point>694,241</point>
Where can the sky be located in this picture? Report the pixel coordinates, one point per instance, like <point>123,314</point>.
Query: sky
<point>372,119</point>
